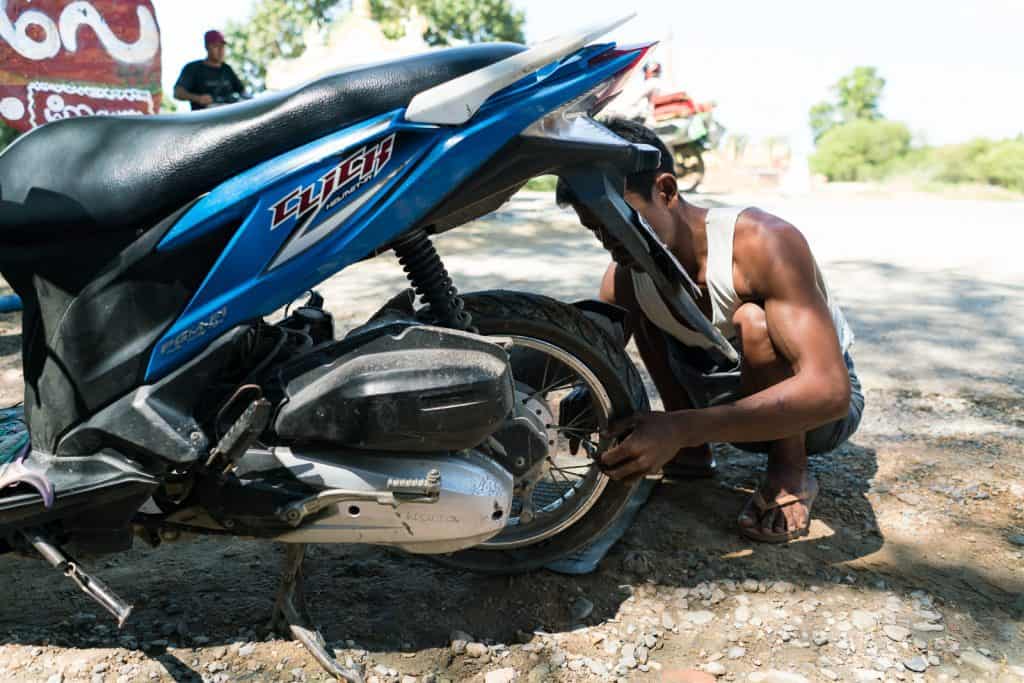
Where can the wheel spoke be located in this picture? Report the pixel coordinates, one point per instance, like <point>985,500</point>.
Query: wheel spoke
<point>575,430</point>
<point>563,471</point>
<point>544,377</point>
<point>559,383</point>
<point>552,465</point>
<point>561,489</point>
<point>581,466</point>
<point>581,417</point>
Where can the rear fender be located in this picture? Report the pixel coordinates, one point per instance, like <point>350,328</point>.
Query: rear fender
<point>595,169</point>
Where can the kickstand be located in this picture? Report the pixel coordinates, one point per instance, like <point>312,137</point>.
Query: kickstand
<point>290,611</point>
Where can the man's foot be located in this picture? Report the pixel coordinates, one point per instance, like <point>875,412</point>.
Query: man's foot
<point>692,463</point>
<point>779,513</point>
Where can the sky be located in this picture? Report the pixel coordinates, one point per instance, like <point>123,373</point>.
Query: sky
<point>954,69</point>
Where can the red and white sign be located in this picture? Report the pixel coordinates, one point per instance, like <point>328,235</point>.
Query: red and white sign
<point>66,58</point>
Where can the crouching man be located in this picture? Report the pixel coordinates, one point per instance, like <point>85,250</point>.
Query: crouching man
<point>797,391</point>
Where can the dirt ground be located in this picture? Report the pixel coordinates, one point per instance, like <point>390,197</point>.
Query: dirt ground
<point>914,569</point>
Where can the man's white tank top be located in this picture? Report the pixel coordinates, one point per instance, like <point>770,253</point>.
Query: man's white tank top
<point>721,228</point>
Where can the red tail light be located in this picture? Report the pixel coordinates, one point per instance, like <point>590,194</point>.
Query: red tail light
<point>615,85</point>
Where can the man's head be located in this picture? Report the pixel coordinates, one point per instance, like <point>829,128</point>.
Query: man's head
<point>653,194</point>
<point>216,46</point>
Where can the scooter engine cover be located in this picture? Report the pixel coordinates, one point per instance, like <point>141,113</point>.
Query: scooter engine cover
<point>421,388</point>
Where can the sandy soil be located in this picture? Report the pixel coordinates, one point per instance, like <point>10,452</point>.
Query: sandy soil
<point>914,569</point>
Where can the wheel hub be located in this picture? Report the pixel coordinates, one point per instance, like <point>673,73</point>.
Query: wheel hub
<point>526,437</point>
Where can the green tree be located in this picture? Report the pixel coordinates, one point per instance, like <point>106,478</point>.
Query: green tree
<point>995,162</point>
<point>1003,165</point>
<point>858,94</point>
<point>168,105</point>
<point>274,30</point>
<point>856,97</point>
<point>823,117</point>
<point>7,135</point>
<point>449,21</point>
<point>860,150</point>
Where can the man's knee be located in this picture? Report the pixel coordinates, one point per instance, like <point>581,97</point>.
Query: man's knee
<point>752,325</point>
<point>607,292</point>
<point>617,289</point>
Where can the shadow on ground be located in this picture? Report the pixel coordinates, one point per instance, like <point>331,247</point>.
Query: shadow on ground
<point>922,335</point>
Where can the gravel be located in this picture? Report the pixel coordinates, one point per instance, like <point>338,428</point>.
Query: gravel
<point>715,668</point>
<point>978,662</point>
<point>896,633</point>
<point>476,650</point>
<point>928,627</point>
<point>777,677</point>
<point>864,620</point>
<point>916,664</point>
<point>581,609</point>
<point>500,676</point>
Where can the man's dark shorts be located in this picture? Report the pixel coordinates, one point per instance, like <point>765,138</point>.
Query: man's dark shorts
<point>707,387</point>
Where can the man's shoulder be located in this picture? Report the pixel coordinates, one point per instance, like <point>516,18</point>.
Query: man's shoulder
<point>192,66</point>
<point>765,242</point>
<point>760,224</point>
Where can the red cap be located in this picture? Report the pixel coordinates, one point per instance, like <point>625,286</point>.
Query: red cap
<point>214,38</point>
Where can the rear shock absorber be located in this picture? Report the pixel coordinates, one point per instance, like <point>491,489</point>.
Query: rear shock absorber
<point>430,280</point>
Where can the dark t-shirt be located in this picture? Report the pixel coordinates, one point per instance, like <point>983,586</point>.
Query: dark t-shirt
<point>220,83</point>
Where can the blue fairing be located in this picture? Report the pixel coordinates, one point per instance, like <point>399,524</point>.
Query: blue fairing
<point>307,214</point>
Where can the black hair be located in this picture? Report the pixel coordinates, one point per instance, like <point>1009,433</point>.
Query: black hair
<point>638,134</point>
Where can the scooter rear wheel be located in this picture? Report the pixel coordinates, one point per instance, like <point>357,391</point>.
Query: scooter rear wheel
<point>566,503</point>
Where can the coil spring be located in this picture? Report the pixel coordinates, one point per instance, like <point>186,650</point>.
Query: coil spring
<point>431,282</point>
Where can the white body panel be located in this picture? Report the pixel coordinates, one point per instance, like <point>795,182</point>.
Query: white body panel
<point>456,101</point>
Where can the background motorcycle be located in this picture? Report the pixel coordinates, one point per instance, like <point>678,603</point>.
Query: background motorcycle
<point>688,129</point>
<point>159,401</point>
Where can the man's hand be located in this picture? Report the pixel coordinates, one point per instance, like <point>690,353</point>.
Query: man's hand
<point>203,100</point>
<point>652,440</point>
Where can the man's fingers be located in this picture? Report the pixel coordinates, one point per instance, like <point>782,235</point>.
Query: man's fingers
<point>630,468</point>
<point>616,454</point>
<point>619,426</point>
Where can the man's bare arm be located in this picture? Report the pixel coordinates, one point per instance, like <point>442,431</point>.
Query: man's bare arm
<point>802,331</point>
<point>181,94</point>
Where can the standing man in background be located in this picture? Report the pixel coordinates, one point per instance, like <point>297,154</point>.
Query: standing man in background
<point>209,81</point>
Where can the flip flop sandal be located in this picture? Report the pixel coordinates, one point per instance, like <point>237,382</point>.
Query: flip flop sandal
<point>764,507</point>
<point>682,469</point>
